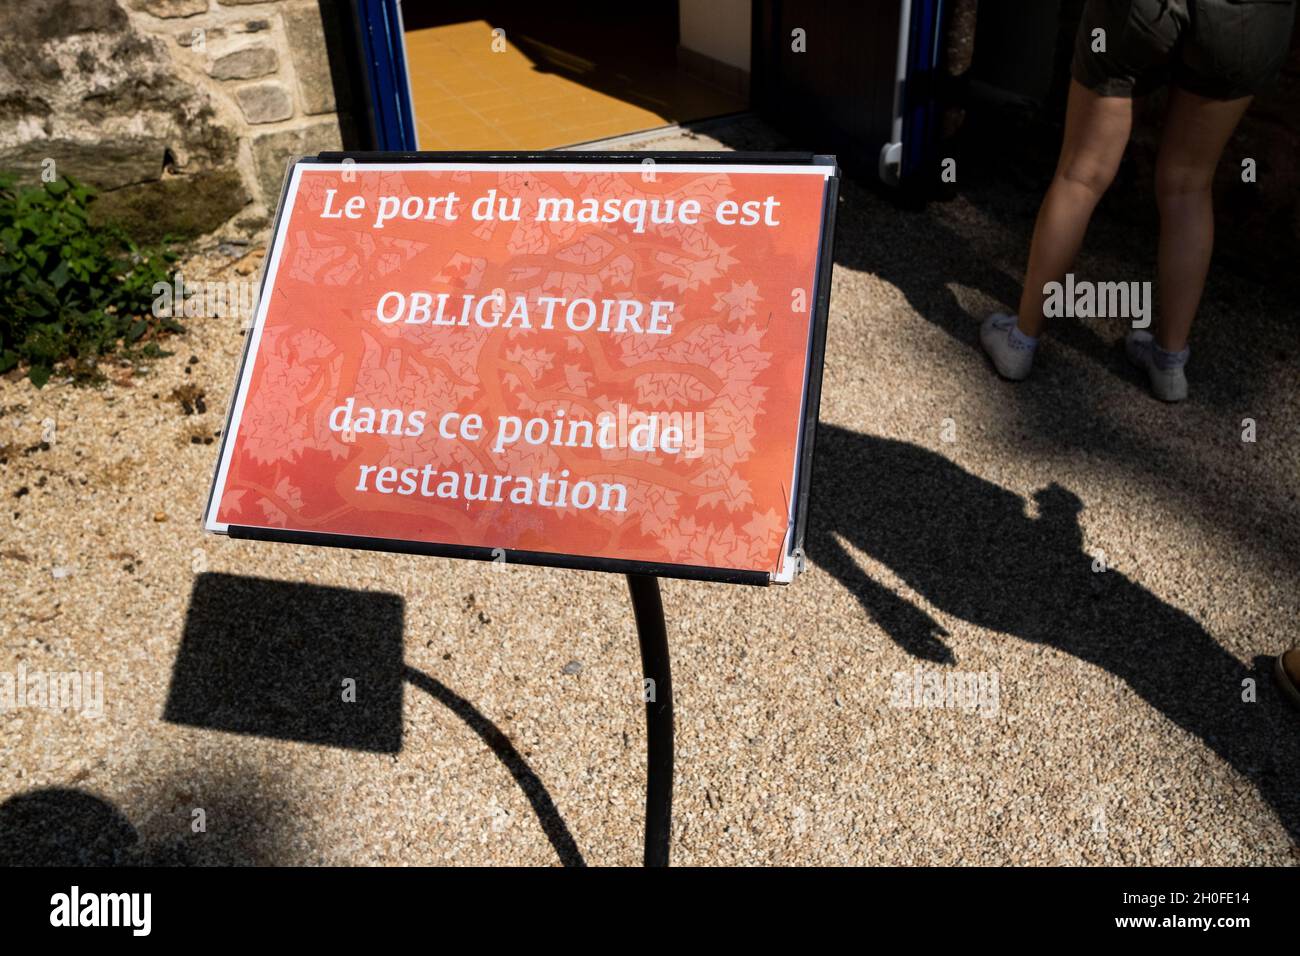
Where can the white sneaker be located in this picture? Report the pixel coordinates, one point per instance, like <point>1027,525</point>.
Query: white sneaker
<point>1011,361</point>
<point>1167,384</point>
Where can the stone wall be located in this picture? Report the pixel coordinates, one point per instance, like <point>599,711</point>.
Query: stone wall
<point>183,113</point>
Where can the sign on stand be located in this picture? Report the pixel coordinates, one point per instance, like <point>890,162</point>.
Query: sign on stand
<point>608,361</point>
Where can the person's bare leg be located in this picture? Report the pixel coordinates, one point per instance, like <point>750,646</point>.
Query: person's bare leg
<point>1196,132</point>
<point>1096,132</point>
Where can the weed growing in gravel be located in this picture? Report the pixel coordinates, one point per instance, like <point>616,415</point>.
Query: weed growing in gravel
<point>71,289</point>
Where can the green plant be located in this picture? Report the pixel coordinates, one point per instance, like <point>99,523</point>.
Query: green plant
<point>71,291</point>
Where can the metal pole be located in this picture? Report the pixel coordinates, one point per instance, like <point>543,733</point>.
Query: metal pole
<point>648,608</point>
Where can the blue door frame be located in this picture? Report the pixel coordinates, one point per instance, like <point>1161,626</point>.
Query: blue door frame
<point>921,89</point>
<point>383,58</point>
<point>909,157</point>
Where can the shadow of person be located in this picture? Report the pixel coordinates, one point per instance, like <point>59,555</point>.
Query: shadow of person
<point>971,550</point>
<point>62,827</point>
<point>58,826</point>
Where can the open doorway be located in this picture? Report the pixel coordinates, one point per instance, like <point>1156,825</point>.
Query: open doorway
<point>504,74</point>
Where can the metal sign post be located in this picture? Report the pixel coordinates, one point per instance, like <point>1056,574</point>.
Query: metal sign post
<point>657,690</point>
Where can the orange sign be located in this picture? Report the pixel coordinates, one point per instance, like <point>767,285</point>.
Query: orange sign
<point>582,362</point>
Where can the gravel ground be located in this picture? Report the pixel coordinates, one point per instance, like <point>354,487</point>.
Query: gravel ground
<point>1097,716</point>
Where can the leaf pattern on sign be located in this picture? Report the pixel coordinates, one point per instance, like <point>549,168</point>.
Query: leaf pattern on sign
<point>232,502</point>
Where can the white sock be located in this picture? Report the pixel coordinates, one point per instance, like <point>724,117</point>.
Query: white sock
<point>1169,360</point>
<point>1018,339</point>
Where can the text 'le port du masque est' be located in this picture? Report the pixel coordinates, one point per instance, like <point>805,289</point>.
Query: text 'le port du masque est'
<point>497,309</point>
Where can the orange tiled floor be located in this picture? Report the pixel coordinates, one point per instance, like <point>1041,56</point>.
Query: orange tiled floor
<point>467,96</point>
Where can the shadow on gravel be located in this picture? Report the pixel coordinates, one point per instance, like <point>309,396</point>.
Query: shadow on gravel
<point>967,546</point>
<point>245,822</point>
<point>926,259</point>
<point>58,827</point>
<point>528,781</point>
<point>274,658</point>
<point>1234,376</point>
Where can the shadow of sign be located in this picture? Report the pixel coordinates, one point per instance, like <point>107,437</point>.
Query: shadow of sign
<point>270,658</point>
<point>291,661</point>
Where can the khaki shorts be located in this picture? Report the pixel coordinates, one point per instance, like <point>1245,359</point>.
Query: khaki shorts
<point>1220,49</point>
